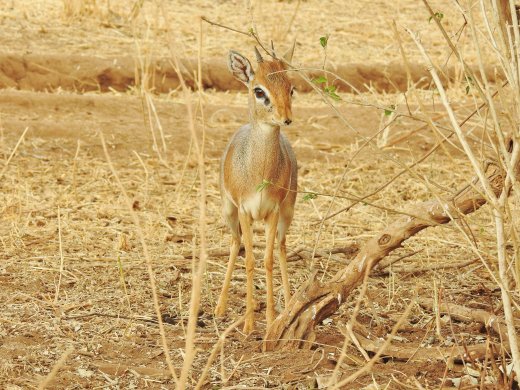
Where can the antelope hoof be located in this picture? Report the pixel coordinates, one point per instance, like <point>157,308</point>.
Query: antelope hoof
<point>220,310</point>
<point>248,326</point>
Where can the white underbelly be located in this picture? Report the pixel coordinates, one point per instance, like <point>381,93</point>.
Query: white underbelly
<point>258,206</point>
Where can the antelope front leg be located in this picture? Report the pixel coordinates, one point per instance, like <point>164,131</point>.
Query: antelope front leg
<point>283,270</point>
<point>270,235</point>
<point>247,232</point>
<point>233,253</point>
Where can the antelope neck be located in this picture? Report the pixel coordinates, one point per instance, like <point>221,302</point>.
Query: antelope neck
<point>265,137</point>
<point>265,128</point>
<point>265,150</point>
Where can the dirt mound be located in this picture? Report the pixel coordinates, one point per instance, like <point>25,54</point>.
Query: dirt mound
<point>87,73</point>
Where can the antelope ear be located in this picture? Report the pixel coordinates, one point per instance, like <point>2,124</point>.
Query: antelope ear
<point>240,67</point>
<point>289,53</point>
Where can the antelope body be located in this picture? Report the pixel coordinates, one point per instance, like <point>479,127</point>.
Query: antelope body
<point>257,152</point>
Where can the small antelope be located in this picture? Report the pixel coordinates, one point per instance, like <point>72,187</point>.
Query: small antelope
<point>259,151</point>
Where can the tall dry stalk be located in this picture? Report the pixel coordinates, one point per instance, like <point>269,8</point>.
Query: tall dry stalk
<point>198,268</point>
<point>148,260</point>
<point>47,381</point>
<point>502,37</point>
<point>145,75</point>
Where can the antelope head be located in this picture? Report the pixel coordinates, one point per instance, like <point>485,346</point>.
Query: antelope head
<point>270,90</point>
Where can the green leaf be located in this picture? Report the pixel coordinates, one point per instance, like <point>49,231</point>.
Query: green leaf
<point>319,80</point>
<point>467,89</point>
<point>437,15</point>
<point>335,96</point>
<point>330,88</point>
<point>390,110</point>
<point>263,185</point>
<point>324,40</point>
<point>331,91</point>
<point>310,195</point>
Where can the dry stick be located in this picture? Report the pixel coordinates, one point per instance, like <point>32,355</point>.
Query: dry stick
<point>414,354</point>
<point>59,364</point>
<point>4,169</point>
<point>462,313</point>
<point>61,258</point>
<point>506,299</point>
<point>292,19</point>
<point>149,266</point>
<point>350,323</point>
<point>467,69</point>
<point>198,274</point>
<point>151,106</point>
<point>462,138</point>
<point>429,120</point>
<point>512,20</point>
<point>427,268</point>
<point>383,265</point>
<point>216,349</point>
<point>142,81</point>
<point>315,301</point>
<point>366,368</point>
<point>486,91</point>
<point>74,171</point>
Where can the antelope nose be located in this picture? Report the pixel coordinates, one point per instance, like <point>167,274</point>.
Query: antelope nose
<point>288,121</point>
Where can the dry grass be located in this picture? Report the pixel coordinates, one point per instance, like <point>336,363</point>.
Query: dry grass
<point>108,29</point>
<point>98,232</point>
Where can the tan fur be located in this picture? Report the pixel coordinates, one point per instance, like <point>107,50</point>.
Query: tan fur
<point>272,73</point>
<point>259,151</point>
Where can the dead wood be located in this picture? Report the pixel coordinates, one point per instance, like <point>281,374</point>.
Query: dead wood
<point>457,353</point>
<point>315,301</point>
<point>305,254</point>
<point>117,369</point>
<point>381,267</point>
<point>466,314</point>
<point>426,268</point>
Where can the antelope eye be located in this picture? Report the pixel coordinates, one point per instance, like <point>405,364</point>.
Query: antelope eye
<point>259,93</point>
<point>292,91</point>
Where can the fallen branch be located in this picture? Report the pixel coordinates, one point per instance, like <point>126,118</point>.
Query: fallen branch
<point>305,254</point>
<point>457,353</point>
<point>315,301</point>
<point>466,314</point>
<point>426,268</point>
<point>381,267</point>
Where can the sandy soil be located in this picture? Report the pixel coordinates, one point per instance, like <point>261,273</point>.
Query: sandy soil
<point>73,266</point>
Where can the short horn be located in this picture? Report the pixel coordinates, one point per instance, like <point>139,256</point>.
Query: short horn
<point>272,49</point>
<point>258,56</point>
<point>289,53</point>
